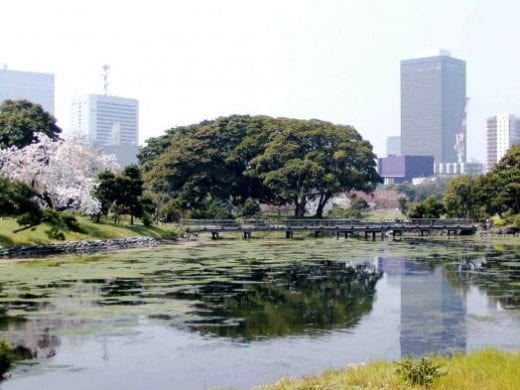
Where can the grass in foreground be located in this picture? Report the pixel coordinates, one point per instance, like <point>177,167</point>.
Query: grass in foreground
<point>486,369</point>
<point>102,230</point>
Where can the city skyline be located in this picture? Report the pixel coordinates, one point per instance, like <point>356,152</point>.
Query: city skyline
<point>331,60</point>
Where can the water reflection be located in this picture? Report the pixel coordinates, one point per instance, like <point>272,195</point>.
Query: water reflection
<point>433,311</point>
<point>290,301</point>
<point>236,296</point>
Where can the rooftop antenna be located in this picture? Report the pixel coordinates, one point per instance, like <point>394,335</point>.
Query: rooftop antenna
<point>105,78</point>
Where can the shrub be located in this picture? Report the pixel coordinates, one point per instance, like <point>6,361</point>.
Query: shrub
<point>170,212</point>
<point>146,220</point>
<point>6,356</point>
<point>250,209</point>
<point>499,222</point>
<point>515,220</point>
<point>419,372</point>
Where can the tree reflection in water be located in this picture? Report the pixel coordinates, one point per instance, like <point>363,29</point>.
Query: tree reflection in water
<point>278,302</point>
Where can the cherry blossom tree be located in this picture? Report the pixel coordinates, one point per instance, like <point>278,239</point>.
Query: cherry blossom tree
<point>63,173</point>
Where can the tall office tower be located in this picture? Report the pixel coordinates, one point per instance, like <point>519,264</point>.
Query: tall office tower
<point>433,107</point>
<point>109,122</point>
<point>393,146</point>
<point>503,131</point>
<point>35,87</point>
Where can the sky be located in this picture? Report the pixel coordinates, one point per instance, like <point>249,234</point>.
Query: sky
<point>335,60</point>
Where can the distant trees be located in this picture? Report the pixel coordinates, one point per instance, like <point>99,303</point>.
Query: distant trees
<point>464,197</point>
<point>231,160</point>
<point>498,192</point>
<point>358,208</point>
<point>430,208</point>
<point>21,120</point>
<point>420,192</point>
<point>506,177</point>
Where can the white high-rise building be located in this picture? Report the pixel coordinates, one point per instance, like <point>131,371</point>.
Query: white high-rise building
<point>36,87</point>
<point>503,131</point>
<point>109,122</point>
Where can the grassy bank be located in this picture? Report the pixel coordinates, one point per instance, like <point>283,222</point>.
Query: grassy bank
<point>91,229</point>
<point>485,369</point>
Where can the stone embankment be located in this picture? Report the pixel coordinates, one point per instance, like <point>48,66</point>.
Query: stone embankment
<point>87,246</point>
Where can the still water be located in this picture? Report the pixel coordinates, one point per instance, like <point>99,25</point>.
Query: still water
<point>241,313</point>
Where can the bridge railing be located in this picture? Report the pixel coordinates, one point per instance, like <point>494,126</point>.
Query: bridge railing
<point>278,224</point>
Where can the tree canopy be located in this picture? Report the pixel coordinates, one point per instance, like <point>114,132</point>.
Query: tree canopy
<point>272,160</point>
<point>21,120</point>
<point>507,177</point>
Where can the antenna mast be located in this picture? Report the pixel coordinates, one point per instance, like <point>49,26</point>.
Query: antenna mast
<point>105,79</point>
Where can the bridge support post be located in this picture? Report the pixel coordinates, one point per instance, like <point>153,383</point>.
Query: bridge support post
<point>382,235</point>
<point>346,235</point>
<point>214,236</point>
<point>366,234</point>
<point>373,236</point>
<point>288,234</point>
<point>316,233</point>
<point>247,235</point>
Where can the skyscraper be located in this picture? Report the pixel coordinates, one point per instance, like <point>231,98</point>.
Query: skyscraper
<point>35,87</point>
<point>503,131</point>
<point>433,102</point>
<point>109,122</point>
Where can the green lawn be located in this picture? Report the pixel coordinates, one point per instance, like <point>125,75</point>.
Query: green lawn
<point>93,230</point>
<point>487,369</point>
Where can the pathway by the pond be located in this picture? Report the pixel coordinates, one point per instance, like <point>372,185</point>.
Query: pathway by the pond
<point>239,313</point>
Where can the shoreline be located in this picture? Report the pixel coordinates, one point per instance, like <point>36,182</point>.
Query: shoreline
<point>81,247</point>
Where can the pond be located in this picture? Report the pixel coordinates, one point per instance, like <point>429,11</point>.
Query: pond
<point>235,313</point>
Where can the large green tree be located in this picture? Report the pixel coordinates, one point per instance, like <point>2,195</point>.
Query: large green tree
<point>271,160</point>
<point>506,175</point>
<point>313,160</point>
<point>21,119</point>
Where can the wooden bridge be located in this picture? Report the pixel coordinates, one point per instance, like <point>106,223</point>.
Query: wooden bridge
<point>337,227</point>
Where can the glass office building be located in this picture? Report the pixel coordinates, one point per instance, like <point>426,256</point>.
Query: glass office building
<point>433,100</point>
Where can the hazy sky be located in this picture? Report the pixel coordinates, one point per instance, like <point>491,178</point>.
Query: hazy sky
<point>335,60</point>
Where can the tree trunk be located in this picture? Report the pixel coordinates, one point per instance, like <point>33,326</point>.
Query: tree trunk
<point>131,219</point>
<point>299,210</point>
<point>324,198</point>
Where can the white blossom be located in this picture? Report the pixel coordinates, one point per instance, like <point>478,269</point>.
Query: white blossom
<point>65,172</point>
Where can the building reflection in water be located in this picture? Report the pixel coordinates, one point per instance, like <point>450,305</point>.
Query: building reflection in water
<point>433,312</point>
